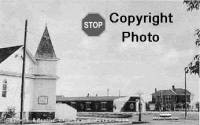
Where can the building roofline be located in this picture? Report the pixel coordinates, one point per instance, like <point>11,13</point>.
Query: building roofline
<point>173,92</point>
<point>53,59</point>
<point>31,76</point>
<point>90,98</point>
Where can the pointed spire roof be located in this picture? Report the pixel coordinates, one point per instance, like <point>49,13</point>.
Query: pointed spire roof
<point>45,49</point>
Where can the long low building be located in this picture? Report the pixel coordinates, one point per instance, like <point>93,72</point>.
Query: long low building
<point>101,103</point>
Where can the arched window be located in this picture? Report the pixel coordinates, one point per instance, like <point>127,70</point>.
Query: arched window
<point>4,88</point>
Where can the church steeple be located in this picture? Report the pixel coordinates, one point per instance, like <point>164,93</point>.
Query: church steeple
<point>45,49</point>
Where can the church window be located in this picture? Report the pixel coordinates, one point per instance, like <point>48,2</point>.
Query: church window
<point>4,88</point>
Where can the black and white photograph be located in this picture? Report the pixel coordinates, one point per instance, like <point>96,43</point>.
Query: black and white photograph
<point>99,62</point>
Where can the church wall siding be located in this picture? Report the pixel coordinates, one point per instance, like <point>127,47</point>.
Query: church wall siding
<point>14,63</point>
<point>44,97</point>
<point>46,67</point>
<point>13,93</point>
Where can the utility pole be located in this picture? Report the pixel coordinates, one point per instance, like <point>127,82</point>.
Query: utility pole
<point>161,100</point>
<point>23,72</point>
<point>186,70</point>
<point>140,112</point>
<point>140,106</point>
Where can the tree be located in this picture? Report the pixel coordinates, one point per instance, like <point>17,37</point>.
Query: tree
<point>10,113</point>
<point>192,4</point>
<point>193,66</point>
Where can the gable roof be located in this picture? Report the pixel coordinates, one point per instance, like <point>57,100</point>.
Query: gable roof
<point>45,49</point>
<point>180,91</point>
<point>177,91</point>
<point>164,92</point>
<point>6,52</point>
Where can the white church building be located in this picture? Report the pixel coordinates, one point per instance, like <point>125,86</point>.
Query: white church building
<point>40,79</point>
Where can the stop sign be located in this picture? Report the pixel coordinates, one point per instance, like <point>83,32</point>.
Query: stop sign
<point>93,24</point>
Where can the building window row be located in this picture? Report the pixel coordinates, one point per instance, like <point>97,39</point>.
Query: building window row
<point>88,105</point>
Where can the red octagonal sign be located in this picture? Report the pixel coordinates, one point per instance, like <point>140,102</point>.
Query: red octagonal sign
<point>93,24</point>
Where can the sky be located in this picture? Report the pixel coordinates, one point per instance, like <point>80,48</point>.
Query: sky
<point>95,64</point>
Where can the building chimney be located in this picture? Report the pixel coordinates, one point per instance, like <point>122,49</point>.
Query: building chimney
<point>155,90</point>
<point>173,87</point>
<point>107,92</point>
